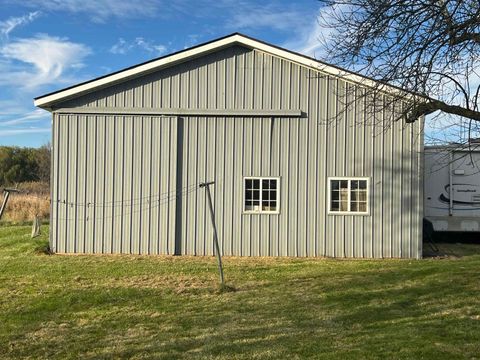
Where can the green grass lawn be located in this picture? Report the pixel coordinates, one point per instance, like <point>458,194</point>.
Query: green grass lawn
<point>95,307</point>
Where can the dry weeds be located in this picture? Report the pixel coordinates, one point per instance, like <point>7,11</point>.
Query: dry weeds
<point>33,200</point>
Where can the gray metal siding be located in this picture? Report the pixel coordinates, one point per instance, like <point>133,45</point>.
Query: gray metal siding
<point>104,158</point>
<point>114,184</point>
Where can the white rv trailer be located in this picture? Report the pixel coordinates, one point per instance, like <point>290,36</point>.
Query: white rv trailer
<point>452,187</point>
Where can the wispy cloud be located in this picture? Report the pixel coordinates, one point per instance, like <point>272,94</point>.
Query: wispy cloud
<point>40,60</point>
<point>122,46</point>
<point>7,26</point>
<point>266,16</point>
<point>99,10</point>
<point>309,38</point>
<point>24,131</point>
<point>34,116</point>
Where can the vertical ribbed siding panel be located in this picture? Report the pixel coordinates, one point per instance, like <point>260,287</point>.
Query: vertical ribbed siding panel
<point>191,199</point>
<point>265,221</point>
<point>127,185</point>
<point>109,183</point>
<point>231,237</point>
<point>397,170</point>
<point>322,156</point>
<point>54,238</point>
<point>368,171</point>
<point>203,92</point>
<point>159,178</point>
<point>185,182</point>
<point>293,190</point>
<point>350,141</point>
<point>340,161</point>
<point>279,146</point>
<point>255,167</point>
<point>202,153</point>
<point>81,162</point>
<point>145,186</point>
<point>62,184</point>
<point>90,146</point>
<point>285,209</point>
<point>239,171</point>
<point>210,175</point>
<point>221,183</point>
<point>71,176</point>
<point>417,195</point>
<point>406,190</point>
<point>388,174</point>
<point>171,164</point>
<point>118,237</point>
<point>303,139</point>
<point>377,180</point>
<point>136,200</point>
<point>247,171</point>
<point>167,194</point>
<point>330,160</point>
<point>312,164</point>
<point>359,169</point>
<point>419,175</point>
<point>98,185</point>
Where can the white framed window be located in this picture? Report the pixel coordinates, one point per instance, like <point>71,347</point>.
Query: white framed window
<point>261,195</point>
<point>348,196</point>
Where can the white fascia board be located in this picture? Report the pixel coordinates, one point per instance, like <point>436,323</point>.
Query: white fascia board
<point>48,100</point>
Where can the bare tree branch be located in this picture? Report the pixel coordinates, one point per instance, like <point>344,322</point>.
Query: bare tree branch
<point>430,48</point>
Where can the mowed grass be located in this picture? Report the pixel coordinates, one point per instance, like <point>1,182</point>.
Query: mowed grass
<point>102,307</point>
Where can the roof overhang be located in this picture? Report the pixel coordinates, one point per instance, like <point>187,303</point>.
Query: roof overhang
<point>49,100</point>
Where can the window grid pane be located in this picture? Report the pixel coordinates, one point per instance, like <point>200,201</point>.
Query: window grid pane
<point>261,195</point>
<point>348,195</point>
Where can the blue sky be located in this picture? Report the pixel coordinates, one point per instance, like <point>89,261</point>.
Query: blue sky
<point>47,45</point>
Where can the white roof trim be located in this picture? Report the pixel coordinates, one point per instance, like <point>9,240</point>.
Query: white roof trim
<point>49,99</point>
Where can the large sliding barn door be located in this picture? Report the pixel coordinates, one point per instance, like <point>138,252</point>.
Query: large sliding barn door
<point>114,184</point>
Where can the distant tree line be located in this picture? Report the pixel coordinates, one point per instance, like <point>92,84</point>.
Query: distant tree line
<point>19,164</point>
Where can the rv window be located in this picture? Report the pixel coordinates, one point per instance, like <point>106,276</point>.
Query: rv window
<point>348,196</point>
<point>261,195</point>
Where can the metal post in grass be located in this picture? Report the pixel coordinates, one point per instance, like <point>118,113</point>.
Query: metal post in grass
<point>215,237</point>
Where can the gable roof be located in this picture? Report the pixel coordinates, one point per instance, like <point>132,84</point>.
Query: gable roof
<point>47,100</point>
